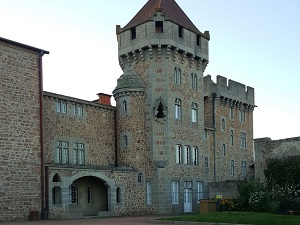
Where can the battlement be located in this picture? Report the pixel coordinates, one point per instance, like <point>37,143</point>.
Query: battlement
<point>230,89</point>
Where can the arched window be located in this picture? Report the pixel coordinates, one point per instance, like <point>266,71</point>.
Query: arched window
<point>194,81</point>
<point>139,177</point>
<point>223,150</point>
<point>56,178</point>
<point>125,140</point>
<point>231,137</point>
<point>232,168</point>
<point>177,108</point>
<point>177,75</point>
<point>194,112</point>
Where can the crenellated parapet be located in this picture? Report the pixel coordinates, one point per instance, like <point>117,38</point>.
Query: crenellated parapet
<point>230,93</point>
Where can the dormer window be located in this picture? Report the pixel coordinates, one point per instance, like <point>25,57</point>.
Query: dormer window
<point>159,27</point>
<point>133,33</point>
<point>180,31</point>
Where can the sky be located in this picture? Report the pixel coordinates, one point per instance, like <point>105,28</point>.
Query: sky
<point>252,42</point>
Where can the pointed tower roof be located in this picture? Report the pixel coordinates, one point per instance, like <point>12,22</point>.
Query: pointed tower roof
<point>172,12</point>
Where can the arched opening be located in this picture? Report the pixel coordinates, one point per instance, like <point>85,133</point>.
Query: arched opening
<point>91,196</point>
<point>118,192</point>
<point>160,109</point>
<point>56,178</point>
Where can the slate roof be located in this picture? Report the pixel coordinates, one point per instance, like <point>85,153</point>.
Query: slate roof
<point>172,11</point>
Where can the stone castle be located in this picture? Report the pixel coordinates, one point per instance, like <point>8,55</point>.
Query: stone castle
<point>174,137</point>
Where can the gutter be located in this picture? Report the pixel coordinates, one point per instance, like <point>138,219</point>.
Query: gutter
<point>44,207</point>
<point>214,133</point>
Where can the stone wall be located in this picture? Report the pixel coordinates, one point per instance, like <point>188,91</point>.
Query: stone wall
<point>95,128</point>
<point>20,150</point>
<point>266,148</point>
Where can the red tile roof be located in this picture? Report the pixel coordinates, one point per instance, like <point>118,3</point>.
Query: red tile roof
<point>172,11</point>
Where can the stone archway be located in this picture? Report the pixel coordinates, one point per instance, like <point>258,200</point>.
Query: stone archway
<point>88,196</point>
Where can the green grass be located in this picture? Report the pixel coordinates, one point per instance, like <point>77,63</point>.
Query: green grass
<point>240,218</point>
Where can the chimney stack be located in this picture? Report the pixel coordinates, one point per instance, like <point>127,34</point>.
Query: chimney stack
<point>104,99</point>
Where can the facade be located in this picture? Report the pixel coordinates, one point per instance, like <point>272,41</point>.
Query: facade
<point>173,138</point>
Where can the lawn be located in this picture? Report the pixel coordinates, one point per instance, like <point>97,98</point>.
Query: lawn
<point>240,218</point>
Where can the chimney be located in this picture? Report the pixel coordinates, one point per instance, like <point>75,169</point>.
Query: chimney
<point>104,99</point>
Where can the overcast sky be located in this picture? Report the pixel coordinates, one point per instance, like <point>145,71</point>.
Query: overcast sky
<point>253,42</point>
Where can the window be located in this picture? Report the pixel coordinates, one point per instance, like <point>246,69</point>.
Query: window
<point>194,112</point>
<point>175,192</point>
<point>139,177</point>
<point>231,138</point>
<point>79,154</point>
<point>187,155</point>
<point>124,106</point>
<point>243,168</point>
<point>199,190</point>
<point>178,108</point>
<point>133,33</point>
<point>73,194</point>
<point>232,168</point>
<point>243,140</point>
<point>62,152</point>
<point>206,162</point>
<point>194,81</point>
<point>78,110</point>
<point>89,195</point>
<point>159,27</point>
<point>195,156</point>
<point>149,193</point>
<point>177,75</point>
<point>56,196</point>
<point>223,150</point>
<point>61,106</point>
<point>118,193</point>
<point>198,40</point>
<point>180,31</point>
<point>223,124</point>
<point>231,113</point>
<point>242,116</point>
<point>125,140</point>
<point>178,154</point>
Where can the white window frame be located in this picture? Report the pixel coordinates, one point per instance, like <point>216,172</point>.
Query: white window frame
<point>187,155</point>
<point>243,168</point>
<point>78,110</point>
<point>149,193</point>
<point>178,154</point>
<point>199,190</point>
<point>178,109</point>
<point>175,192</point>
<point>177,75</point>
<point>194,112</point>
<point>195,153</point>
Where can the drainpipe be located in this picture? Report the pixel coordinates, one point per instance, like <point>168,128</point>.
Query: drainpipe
<point>43,210</point>
<point>116,139</point>
<point>214,133</point>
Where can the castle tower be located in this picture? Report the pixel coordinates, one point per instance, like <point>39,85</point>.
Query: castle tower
<point>168,54</point>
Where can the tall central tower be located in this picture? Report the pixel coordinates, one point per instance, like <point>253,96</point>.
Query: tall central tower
<point>163,56</point>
